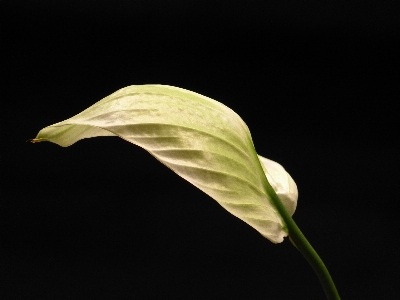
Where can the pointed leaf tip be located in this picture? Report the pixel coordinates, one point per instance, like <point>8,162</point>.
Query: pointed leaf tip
<point>200,139</point>
<point>33,141</point>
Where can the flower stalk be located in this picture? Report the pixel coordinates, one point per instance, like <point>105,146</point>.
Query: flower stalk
<point>302,244</point>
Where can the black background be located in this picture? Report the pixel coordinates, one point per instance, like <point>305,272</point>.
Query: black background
<point>316,82</point>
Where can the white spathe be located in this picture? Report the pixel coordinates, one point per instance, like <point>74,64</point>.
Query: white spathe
<point>198,138</point>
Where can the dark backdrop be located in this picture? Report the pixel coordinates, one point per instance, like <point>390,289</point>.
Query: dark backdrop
<point>315,82</point>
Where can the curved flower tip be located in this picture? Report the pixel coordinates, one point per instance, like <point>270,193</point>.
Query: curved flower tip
<point>198,138</point>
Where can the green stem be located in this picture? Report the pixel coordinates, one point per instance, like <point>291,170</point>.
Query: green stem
<point>300,242</point>
<point>305,248</point>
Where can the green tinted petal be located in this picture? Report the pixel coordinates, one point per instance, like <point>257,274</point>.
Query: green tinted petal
<point>200,139</point>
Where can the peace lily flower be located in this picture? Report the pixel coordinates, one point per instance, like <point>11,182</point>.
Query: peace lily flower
<point>206,143</point>
<point>198,138</point>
